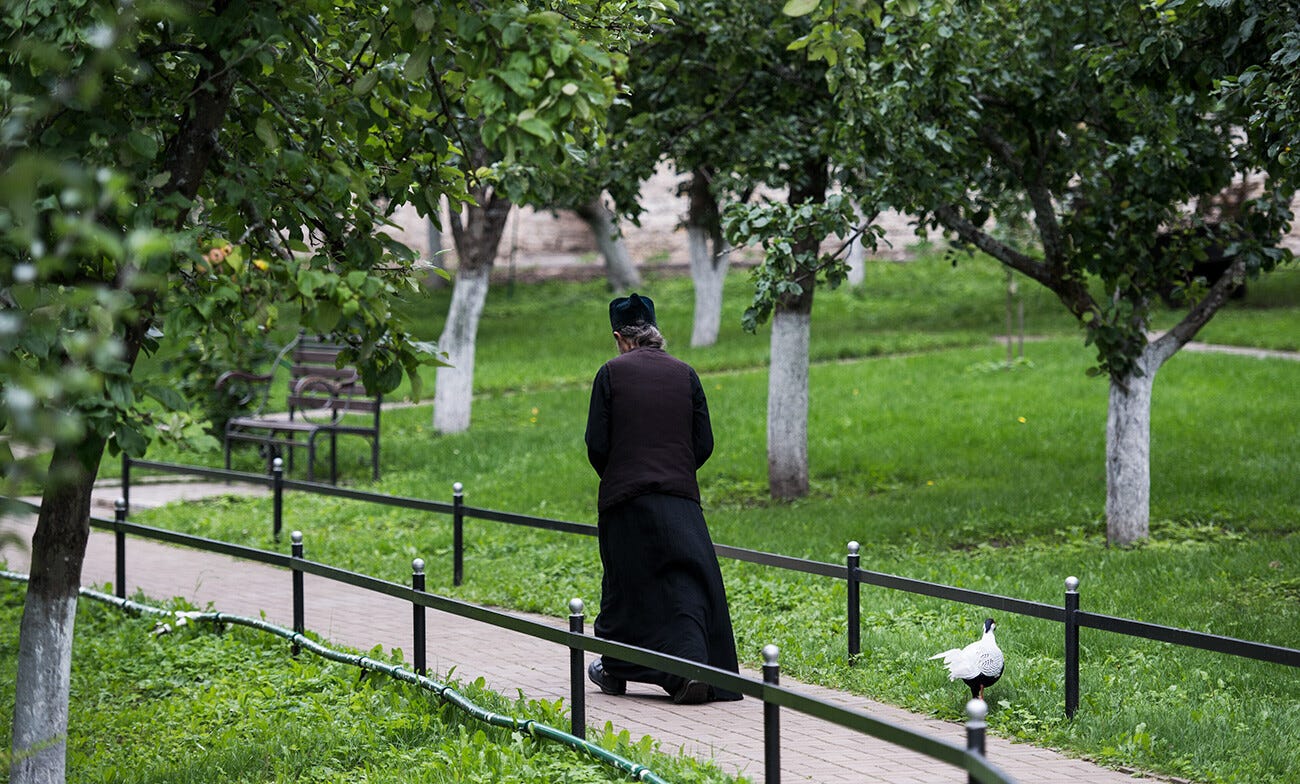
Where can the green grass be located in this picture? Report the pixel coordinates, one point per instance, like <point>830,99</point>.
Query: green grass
<point>944,463</point>
<point>200,705</point>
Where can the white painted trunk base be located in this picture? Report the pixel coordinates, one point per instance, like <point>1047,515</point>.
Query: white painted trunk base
<point>857,263</point>
<point>41,693</point>
<point>708,273</point>
<point>454,386</point>
<point>787,405</point>
<point>1128,454</point>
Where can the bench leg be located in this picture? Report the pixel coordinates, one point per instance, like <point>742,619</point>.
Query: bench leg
<point>334,458</point>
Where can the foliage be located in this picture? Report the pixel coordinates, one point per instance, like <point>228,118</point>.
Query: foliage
<point>245,172</point>
<point>717,94</point>
<point>790,236</point>
<point>1095,123</point>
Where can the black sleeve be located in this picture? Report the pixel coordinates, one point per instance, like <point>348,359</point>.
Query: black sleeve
<point>701,428</point>
<point>598,422</point>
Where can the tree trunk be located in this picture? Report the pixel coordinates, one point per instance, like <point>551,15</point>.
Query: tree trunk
<point>709,274</point>
<point>40,724</point>
<point>710,257</point>
<point>1128,452</point>
<point>857,260</point>
<point>787,381</point>
<point>477,239</point>
<point>787,403</point>
<point>619,269</point>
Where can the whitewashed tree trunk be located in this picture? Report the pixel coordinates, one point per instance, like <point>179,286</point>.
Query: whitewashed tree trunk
<point>454,386</point>
<point>710,260</point>
<point>857,263</point>
<point>41,688</point>
<point>41,698</point>
<point>477,237</point>
<point>619,269</point>
<point>1128,448</point>
<point>787,404</point>
<point>710,256</point>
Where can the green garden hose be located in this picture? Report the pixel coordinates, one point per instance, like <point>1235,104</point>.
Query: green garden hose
<point>445,692</point>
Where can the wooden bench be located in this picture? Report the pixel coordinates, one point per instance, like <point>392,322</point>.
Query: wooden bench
<point>322,399</point>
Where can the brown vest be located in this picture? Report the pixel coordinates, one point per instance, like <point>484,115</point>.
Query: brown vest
<point>654,443</point>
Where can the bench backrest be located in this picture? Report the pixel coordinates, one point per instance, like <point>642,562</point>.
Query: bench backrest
<point>318,387</point>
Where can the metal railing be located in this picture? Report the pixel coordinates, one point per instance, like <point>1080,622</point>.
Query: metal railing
<point>971,758</point>
<point>1068,613</point>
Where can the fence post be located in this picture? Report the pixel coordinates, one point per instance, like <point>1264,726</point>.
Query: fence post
<point>417,615</point>
<point>977,710</point>
<point>119,514</point>
<point>854,608</point>
<point>771,718</point>
<point>1071,646</point>
<point>277,498</point>
<point>457,533</point>
<point>296,553</point>
<point>578,692</point>
<point>126,482</point>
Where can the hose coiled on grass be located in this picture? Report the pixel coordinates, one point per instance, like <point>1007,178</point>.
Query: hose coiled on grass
<point>444,691</point>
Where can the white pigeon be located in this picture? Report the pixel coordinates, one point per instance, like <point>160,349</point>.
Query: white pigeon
<point>979,664</point>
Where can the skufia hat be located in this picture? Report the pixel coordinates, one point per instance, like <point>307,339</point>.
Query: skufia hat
<point>630,311</point>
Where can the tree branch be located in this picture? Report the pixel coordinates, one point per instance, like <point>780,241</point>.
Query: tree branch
<point>1169,343</point>
<point>1040,196</point>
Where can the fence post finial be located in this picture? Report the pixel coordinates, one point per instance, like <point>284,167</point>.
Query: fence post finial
<point>771,718</point>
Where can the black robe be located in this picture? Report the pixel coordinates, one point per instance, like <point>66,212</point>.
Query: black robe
<point>648,431</point>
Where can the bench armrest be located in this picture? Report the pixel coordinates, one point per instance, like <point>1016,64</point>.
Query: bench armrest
<point>255,385</point>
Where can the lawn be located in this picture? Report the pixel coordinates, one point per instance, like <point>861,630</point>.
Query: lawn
<point>947,464</point>
<point>190,705</point>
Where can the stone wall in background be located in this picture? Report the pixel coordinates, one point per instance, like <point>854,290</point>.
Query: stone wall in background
<point>541,244</point>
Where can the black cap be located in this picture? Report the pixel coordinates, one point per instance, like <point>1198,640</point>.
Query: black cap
<point>632,310</point>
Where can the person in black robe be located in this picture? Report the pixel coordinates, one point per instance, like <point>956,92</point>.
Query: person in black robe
<point>648,431</point>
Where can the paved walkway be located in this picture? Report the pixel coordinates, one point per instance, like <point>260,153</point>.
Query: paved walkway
<point>731,734</point>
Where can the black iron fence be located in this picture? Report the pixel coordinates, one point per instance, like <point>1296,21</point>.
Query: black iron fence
<point>971,758</point>
<point>1068,613</point>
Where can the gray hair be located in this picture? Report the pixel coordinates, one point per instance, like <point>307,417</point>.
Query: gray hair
<point>642,335</point>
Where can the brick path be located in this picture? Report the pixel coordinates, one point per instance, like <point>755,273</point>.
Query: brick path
<point>731,734</point>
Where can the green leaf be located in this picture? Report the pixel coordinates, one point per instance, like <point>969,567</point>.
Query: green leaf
<point>537,127</point>
<point>130,440</point>
<point>265,133</point>
<point>417,65</point>
<point>166,395</point>
<point>424,18</point>
<point>120,392</point>
<point>366,83</point>
<point>142,144</point>
<point>800,7</point>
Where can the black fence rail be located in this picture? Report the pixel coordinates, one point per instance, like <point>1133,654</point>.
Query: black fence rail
<point>971,758</point>
<point>1068,613</point>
